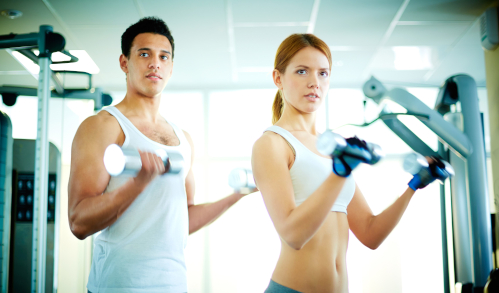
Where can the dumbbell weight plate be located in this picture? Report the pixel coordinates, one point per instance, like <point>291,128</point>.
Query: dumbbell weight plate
<point>414,162</point>
<point>241,178</point>
<point>329,142</point>
<point>120,161</point>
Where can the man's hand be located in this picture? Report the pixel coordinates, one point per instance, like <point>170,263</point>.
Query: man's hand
<point>152,166</point>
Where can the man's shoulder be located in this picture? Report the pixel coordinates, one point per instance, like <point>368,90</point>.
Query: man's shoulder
<point>102,120</point>
<point>100,124</point>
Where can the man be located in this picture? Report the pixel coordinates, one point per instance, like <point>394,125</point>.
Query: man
<point>144,219</point>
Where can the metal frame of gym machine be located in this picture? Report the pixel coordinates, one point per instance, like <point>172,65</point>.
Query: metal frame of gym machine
<point>462,133</point>
<point>47,43</point>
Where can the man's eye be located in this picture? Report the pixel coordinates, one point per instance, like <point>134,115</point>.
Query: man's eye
<point>144,54</point>
<point>164,57</point>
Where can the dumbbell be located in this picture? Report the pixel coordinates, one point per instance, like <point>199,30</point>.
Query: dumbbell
<point>240,178</point>
<point>417,165</point>
<point>334,145</point>
<point>120,161</point>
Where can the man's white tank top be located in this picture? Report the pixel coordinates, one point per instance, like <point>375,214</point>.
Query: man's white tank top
<point>310,170</point>
<point>143,251</point>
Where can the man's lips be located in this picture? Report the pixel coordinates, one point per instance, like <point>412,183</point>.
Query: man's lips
<point>154,76</point>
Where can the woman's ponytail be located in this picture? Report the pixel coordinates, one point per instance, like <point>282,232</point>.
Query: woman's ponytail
<point>277,107</point>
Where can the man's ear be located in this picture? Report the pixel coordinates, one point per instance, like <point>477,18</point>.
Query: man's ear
<point>124,63</point>
<point>276,75</point>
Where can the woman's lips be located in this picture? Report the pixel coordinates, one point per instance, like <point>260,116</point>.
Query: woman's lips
<point>312,97</point>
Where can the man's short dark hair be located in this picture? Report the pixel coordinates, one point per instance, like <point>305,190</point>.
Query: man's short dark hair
<point>145,25</point>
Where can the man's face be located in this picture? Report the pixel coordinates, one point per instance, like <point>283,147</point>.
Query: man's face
<point>150,64</point>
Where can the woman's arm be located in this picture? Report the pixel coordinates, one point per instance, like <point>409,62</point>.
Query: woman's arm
<point>372,230</point>
<point>295,225</point>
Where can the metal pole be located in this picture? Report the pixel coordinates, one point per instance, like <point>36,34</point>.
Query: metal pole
<point>477,180</point>
<point>38,265</point>
<point>460,211</point>
<point>443,223</point>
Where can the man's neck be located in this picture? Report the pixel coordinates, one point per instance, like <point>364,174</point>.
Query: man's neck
<point>140,106</point>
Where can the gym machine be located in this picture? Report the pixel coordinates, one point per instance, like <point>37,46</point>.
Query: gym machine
<point>22,216</point>
<point>101,99</point>
<point>47,42</point>
<point>54,42</point>
<point>5,197</point>
<point>462,145</point>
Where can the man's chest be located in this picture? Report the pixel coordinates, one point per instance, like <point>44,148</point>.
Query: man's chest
<point>163,134</point>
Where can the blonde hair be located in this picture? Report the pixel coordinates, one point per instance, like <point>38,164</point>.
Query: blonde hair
<point>287,50</point>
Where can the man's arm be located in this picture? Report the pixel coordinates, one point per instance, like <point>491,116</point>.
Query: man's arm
<point>204,214</point>
<point>89,208</point>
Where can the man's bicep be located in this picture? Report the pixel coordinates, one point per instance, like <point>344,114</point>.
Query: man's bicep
<point>88,175</point>
<point>87,168</point>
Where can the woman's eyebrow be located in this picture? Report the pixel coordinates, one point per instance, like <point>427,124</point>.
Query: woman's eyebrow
<point>306,67</point>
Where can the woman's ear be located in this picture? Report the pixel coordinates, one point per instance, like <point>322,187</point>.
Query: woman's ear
<point>276,75</point>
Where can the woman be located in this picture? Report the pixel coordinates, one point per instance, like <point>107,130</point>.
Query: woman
<point>311,207</point>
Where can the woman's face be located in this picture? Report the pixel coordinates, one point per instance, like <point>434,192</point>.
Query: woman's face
<point>305,81</point>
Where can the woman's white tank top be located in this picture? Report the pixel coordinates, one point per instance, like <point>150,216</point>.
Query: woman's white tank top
<point>310,170</point>
<point>143,251</point>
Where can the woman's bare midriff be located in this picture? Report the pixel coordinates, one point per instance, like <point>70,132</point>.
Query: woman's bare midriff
<point>320,266</point>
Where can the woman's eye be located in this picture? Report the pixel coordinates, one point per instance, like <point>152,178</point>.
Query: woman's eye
<point>324,73</point>
<point>301,71</point>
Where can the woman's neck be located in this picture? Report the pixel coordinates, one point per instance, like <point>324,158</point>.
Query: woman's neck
<point>292,120</point>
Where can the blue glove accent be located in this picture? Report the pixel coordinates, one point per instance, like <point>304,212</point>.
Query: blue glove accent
<point>439,173</point>
<point>435,171</point>
<point>415,182</point>
<point>355,153</point>
<point>344,165</point>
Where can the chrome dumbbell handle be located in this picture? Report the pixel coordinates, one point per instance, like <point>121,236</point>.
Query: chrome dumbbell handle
<point>414,163</point>
<point>332,144</point>
<point>120,161</point>
<point>241,178</point>
<point>376,153</point>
